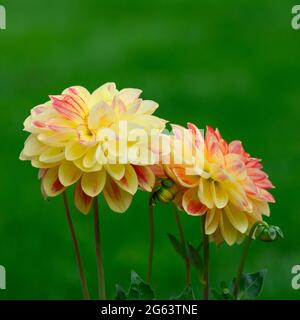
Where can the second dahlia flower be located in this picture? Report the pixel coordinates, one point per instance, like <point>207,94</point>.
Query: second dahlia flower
<point>77,138</point>
<point>220,180</point>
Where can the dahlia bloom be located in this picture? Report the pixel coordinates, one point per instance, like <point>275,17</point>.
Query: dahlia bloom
<point>221,180</point>
<point>77,138</point>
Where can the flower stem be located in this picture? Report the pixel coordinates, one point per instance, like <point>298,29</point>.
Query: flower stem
<point>243,260</point>
<point>151,240</point>
<point>83,282</point>
<point>97,234</point>
<point>206,261</point>
<point>182,240</point>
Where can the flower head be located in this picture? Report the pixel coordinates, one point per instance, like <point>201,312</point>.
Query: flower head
<point>221,180</point>
<point>91,140</point>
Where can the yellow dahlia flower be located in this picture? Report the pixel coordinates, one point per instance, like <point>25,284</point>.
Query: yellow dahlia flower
<point>220,180</point>
<point>78,137</point>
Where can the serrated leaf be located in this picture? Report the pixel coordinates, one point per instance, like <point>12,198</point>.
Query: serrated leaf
<point>195,258</point>
<point>186,294</point>
<point>139,289</point>
<point>177,245</point>
<point>251,284</point>
<point>120,293</point>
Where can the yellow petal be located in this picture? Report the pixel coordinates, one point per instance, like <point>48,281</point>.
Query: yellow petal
<point>117,199</point>
<point>85,135</point>
<point>186,180</point>
<point>89,160</point>
<point>93,183</point>
<point>205,194</point>
<point>104,93</point>
<point>220,196</point>
<point>51,184</point>
<point>116,171</point>
<point>129,95</point>
<point>147,107</point>
<point>228,232</point>
<point>39,164</point>
<point>68,173</point>
<point>56,139</point>
<point>212,220</point>
<point>79,163</point>
<point>74,150</point>
<point>237,196</point>
<point>237,218</point>
<point>101,116</point>
<point>191,203</point>
<point>52,154</point>
<point>83,202</point>
<point>129,182</point>
<point>81,92</point>
<point>33,146</point>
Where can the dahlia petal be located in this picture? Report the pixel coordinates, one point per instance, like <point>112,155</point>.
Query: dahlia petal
<point>228,232</point>
<point>82,201</point>
<point>146,177</point>
<point>212,219</point>
<point>129,95</point>
<point>92,183</point>
<point>147,107</point>
<point>101,115</point>
<point>52,154</point>
<point>158,171</point>
<point>118,105</point>
<point>74,150</point>
<point>56,139</point>
<point>65,106</point>
<point>238,197</point>
<point>237,218</point>
<point>80,164</point>
<point>117,199</point>
<point>80,92</point>
<point>191,203</point>
<point>263,207</point>
<point>42,165</point>
<point>68,173</point>
<point>33,146</point>
<point>188,181</point>
<point>198,137</point>
<point>129,182</point>
<point>51,184</point>
<point>220,196</point>
<point>237,147</point>
<point>89,160</point>
<point>85,136</point>
<point>205,193</point>
<point>104,93</point>
<point>61,124</point>
<point>235,166</point>
<point>116,171</point>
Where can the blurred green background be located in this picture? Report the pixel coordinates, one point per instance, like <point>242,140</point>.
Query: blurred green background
<point>234,66</point>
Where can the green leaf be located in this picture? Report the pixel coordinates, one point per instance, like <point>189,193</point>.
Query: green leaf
<point>251,284</point>
<point>186,294</point>
<point>195,258</point>
<point>120,293</point>
<point>178,246</point>
<point>139,289</point>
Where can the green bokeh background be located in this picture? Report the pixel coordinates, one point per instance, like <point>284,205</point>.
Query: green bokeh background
<point>234,66</point>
